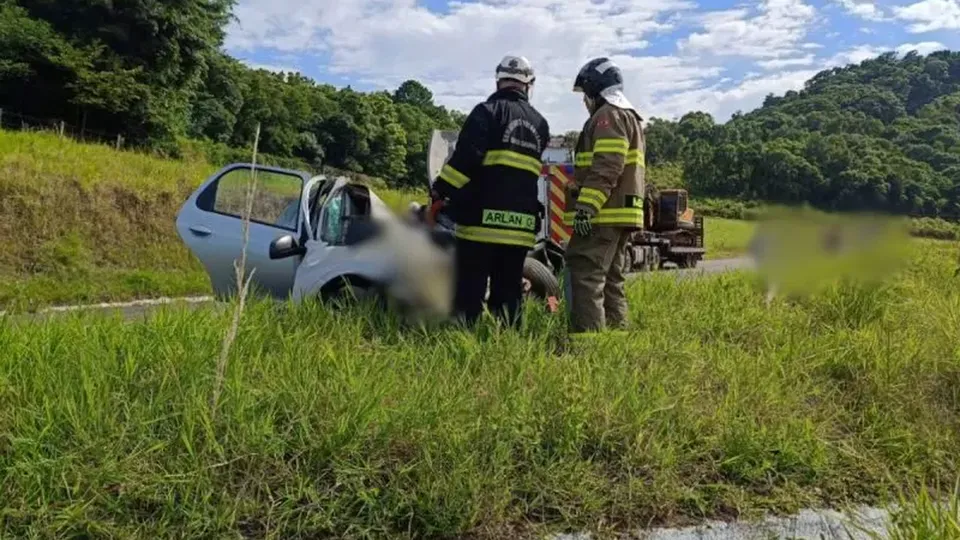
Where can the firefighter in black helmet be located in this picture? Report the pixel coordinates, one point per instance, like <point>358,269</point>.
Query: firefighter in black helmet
<point>605,203</point>
<point>490,183</point>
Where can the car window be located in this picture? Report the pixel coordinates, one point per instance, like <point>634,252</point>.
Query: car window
<point>332,227</point>
<point>276,200</point>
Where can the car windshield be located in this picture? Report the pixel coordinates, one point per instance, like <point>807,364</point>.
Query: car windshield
<point>318,195</point>
<point>332,222</point>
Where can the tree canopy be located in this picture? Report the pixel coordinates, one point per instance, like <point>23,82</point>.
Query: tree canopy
<point>154,71</point>
<point>880,135</point>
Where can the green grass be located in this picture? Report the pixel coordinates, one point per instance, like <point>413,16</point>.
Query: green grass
<point>926,513</point>
<point>726,238</point>
<point>926,227</point>
<point>85,223</point>
<point>337,423</point>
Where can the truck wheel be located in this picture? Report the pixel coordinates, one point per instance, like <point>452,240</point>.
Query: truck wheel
<point>652,264</point>
<point>687,261</point>
<point>543,284</point>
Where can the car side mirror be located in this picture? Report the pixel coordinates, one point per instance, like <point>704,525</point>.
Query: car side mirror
<point>285,246</point>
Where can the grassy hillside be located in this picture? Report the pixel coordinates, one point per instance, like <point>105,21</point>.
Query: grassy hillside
<point>338,425</point>
<point>86,223</point>
<point>83,222</point>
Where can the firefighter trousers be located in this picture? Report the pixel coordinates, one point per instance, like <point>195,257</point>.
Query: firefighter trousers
<point>503,265</point>
<point>596,267</point>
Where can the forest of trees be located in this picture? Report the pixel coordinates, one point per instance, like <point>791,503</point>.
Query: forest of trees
<point>881,135</point>
<point>154,71</point>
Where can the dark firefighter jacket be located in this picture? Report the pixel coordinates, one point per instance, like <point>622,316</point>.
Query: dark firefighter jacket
<point>492,177</point>
<point>609,169</point>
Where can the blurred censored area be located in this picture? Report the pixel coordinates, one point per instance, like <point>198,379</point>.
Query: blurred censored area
<point>800,251</point>
<point>420,276</point>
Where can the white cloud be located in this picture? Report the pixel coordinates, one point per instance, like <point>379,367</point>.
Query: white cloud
<point>930,15</point>
<point>863,9</point>
<point>854,55</point>
<point>272,67</point>
<point>781,63</point>
<point>743,97</point>
<point>777,30</point>
<point>384,42</point>
<point>860,53</point>
<point>923,48</point>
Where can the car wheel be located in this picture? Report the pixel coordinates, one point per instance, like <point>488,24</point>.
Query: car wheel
<point>542,282</point>
<point>348,290</point>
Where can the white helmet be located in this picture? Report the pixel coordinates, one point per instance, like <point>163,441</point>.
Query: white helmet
<point>517,68</point>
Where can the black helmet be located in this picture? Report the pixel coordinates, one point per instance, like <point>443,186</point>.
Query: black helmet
<point>598,75</point>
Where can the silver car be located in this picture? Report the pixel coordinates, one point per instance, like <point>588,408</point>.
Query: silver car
<point>312,237</point>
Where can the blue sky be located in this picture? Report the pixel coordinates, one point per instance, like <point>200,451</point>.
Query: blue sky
<point>718,56</point>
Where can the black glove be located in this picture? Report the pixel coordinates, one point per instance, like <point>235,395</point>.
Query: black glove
<point>581,223</point>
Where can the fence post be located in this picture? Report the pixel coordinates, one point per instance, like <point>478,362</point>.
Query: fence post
<point>1,117</point>
<point>119,140</point>
<point>61,129</point>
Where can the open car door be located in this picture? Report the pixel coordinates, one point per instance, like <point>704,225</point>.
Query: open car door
<point>330,251</point>
<point>442,143</point>
<point>210,224</point>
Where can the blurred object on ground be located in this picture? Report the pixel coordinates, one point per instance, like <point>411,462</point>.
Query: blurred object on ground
<point>798,251</point>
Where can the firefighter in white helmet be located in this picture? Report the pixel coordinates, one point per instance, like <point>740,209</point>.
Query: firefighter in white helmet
<point>490,185</point>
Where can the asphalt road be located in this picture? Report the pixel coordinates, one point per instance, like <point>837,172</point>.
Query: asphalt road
<point>708,267</point>
<point>137,308</point>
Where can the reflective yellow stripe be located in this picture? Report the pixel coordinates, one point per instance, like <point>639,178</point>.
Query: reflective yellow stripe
<point>509,158</point>
<point>611,216</point>
<point>487,235</point>
<point>620,216</point>
<point>583,159</point>
<point>593,197</point>
<point>614,146</point>
<point>453,177</point>
<point>636,157</point>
